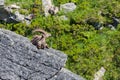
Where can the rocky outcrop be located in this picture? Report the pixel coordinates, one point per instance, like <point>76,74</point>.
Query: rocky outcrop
<point>49,8</point>
<point>8,14</point>
<point>1,3</point>
<point>68,7</point>
<point>20,60</point>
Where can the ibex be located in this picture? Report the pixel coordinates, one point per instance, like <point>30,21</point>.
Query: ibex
<point>40,40</point>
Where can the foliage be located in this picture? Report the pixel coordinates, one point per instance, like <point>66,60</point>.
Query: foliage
<point>88,49</point>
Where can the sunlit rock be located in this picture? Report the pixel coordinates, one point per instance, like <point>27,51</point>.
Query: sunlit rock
<point>68,7</point>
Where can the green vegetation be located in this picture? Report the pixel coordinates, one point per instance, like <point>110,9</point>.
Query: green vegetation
<point>88,49</point>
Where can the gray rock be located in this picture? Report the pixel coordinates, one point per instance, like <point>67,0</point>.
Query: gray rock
<point>1,2</point>
<point>19,17</point>
<point>14,6</point>
<point>46,4</point>
<point>116,21</point>
<point>49,8</point>
<point>20,60</point>
<point>68,7</point>
<point>65,74</point>
<point>53,10</point>
<point>7,16</point>
<point>111,27</point>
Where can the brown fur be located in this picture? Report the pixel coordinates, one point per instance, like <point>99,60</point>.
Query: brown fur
<point>40,40</point>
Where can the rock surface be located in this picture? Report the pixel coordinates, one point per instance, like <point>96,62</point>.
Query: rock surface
<point>7,16</point>
<point>68,7</point>
<point>20,60</point>
<point>49,8</point>
<point>46,5</point>
<point>1,2</point>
